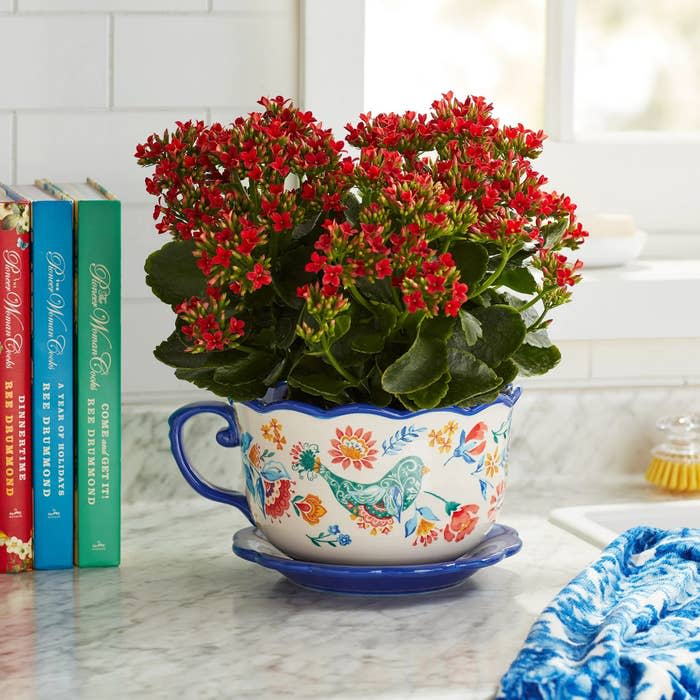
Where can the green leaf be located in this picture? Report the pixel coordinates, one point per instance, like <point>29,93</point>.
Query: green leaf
<point>386,316</point>
<point>288,272</point>
<point>248,369</point>
<point>518,278</point>
<point>424,362</point>
<point>477,399</point>
<point>540,339</point>
<point>172,352</point>
<point>370,334</point>
<point>469,375</point>
<point>305,227</point>
<point>172,273</point>
<point>204,379</point>
<point>502,333</point>
<point>378,291</point>
<point>352,208</point>
<point>533,360</point>
<point>470,326</point>
<point>507,372</point>
<point>368,342</point>
<point>377,395</point>
<point>431,396</point>
<point>314,377</point>
<point>554,232</point>
<point>472,260</point>
<point>285,325</point>
<point>529,315</point>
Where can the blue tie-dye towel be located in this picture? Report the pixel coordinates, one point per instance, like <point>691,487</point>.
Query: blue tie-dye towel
<point>626,627</point>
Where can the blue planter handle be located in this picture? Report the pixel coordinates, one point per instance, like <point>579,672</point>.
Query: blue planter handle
<point>227,437</point>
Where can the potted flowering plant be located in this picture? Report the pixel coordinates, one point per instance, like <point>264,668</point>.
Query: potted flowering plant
<point>415,277</point>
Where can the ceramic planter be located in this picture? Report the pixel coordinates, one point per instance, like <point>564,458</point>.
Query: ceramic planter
<point>358,484</point>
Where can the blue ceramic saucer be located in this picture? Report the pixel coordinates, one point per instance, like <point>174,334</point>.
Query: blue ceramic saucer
<point>501,542</point>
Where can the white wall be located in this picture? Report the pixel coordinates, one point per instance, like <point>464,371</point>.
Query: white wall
<point>86,80</point>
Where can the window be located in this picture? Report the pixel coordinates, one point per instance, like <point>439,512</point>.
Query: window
<point>637,66</point>
<point>615,84</point>
<point>414,50</point>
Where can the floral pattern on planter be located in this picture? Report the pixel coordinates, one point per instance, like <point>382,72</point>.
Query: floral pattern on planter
<point>272,432</point>
<point>332,536</point>
<point>462,522</point>
<point>423,525</point>
<point>496,501</point>
<point>396,442</point>
<point>493,463</point>
<point>376,525</point>
<point>501,435</point>
<point>266,479</point>
<point>353,448</point>
<point>442,439</point>
<point>463,518</point>
<point>309,507</point>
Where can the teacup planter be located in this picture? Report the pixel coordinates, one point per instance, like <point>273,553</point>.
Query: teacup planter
<point>359,484</point>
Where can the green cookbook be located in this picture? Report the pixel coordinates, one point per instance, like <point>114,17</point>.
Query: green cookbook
<point>97,229</point>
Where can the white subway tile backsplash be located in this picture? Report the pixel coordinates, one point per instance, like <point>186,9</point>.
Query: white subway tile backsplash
<point>139,239</point>
<point>255,5</point>
<point>207,60</point>
<point>664,358</point>
<point>6,148</point>
<point>74,145</point>
<point>145,324</point>
<point>111,5</point>
<point>59,62</point>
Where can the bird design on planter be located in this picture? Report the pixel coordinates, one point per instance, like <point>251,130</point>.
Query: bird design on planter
<point>378,504</point>
<point>471,445</point>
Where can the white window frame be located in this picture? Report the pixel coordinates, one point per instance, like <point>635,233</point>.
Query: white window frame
<point>655,176</point>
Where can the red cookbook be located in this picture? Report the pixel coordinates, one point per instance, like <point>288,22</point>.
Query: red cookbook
<point>16,551</point>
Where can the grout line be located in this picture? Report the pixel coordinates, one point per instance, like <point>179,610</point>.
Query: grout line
<point>153,109</point>
<point>13,147</point>
<point>110,61</point>
<point>147,14</point>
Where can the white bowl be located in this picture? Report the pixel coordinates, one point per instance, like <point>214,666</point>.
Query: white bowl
<point>612,251</point>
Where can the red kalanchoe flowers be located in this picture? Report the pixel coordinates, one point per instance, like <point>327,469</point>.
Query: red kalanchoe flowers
<point>309,265</point>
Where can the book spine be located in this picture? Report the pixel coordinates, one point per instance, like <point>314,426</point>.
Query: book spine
<point>52,391</point>
<point>98,383</point>
<point>16,549</point>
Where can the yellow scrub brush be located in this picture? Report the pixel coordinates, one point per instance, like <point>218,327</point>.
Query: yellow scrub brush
<point>675,463</point>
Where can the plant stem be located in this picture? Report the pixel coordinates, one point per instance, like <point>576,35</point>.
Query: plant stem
<point>359,298</point>
<point>532,301</point>
<point>538,321</point>
<point>507,252</point>
<point>335,364</point>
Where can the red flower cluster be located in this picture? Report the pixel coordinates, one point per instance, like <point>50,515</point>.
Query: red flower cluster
<point>243,193</point>
<point>477,163</point>
<point>233,190</point>
<point>207,324</point>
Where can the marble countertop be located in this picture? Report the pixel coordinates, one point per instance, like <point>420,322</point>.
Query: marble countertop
<point>184,617</point>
